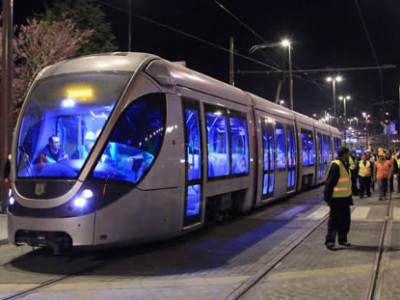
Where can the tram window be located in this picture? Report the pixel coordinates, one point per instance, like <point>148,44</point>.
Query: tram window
<point>240,145</point>
<point>280,146</point>
<point>70,111</point>
<point>327,149</point>
<point>134,141</point>
<point>193,200</point>
<point>218,143</point>
<point>193,146</point>
<point>268,146</point>
<point>336,143</point>
<point>271,183</point>
<point>291,155</point>
<point>320,149</point>
<point>308,147</point>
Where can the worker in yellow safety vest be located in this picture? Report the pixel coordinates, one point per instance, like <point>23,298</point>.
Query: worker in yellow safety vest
<point>371,159</point>
<point>382,173</point>
<point>365,172</point>
<point>338,195</point>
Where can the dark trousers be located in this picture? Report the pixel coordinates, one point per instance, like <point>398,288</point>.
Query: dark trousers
<point>365,185</point>
<point>383,187</point>
<point>398,183</point>
<point>354,182</point>
<point>338,223</point>
<point>391,183</point>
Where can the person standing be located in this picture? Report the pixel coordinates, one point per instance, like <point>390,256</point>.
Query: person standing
<point>365,168</point>
<point>382,173</point>
<point>338,195</point>
<point>352,167</point>
<point>371,159</point>
<point>390,158</point>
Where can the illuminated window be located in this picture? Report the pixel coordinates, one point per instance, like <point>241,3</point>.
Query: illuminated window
<point>217,142</point>
<point>281,159</point>
<point>73,124</point>
<point>240,145</point>
<point>135,141</point>
<point>308,147</point>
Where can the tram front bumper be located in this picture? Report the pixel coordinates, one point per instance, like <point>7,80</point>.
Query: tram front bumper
<point>77,231</point>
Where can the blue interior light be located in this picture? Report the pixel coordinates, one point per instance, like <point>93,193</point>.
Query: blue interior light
<point>68,103</point>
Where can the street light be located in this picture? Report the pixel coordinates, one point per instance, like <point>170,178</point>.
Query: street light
<point>284,43</point>
<point>334,80</point>
<point>344,99</point>
<point>366,116</point>
<point>282,102</point>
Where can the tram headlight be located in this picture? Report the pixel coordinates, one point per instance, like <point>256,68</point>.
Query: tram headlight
<point>80,202</point>
<point>9,193</point>
<point>11,200</point>
<point>87,194</point>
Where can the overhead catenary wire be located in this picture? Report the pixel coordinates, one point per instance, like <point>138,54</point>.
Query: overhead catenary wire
<point>371,45</point>
<point>310,79</point>
<point>189,35</point>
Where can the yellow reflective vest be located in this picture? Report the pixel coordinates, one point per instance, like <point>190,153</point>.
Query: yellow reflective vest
<point>343,186</point>
<point>352,163</point>
<point>364,171</point>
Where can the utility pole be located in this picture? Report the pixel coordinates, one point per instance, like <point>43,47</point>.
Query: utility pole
<point>231,62</point>
<point>130,26</point>
<point>6,98</point>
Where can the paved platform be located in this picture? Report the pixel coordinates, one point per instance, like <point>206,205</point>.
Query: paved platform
<point>313,272</point>
<point>213,263</point>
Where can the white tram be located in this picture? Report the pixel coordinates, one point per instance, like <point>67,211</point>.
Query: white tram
<point>128,148</point>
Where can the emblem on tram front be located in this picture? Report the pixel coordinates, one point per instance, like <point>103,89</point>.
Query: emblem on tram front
<point>40,189</point>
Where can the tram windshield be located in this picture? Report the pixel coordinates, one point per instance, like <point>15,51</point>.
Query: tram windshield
<point>63,119</point>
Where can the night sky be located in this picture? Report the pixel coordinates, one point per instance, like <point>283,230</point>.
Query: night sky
<point>323,34</point>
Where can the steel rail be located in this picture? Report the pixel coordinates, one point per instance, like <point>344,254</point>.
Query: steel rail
<point>252,281</point>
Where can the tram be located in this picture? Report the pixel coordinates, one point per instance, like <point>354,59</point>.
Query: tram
<point>129,148</point>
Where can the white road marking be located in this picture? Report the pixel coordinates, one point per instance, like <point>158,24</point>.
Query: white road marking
<point>318,213</point>
<point>360,213</point>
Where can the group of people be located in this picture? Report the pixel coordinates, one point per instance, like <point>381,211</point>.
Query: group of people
<point>381,168</point>
<point>345,173</point>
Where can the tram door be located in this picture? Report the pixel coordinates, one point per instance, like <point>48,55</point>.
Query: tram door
<point>193,169</point>
<point>291,146</point>
<point>269,159</point>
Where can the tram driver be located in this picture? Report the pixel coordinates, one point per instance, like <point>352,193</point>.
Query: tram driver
<point>52,152</point>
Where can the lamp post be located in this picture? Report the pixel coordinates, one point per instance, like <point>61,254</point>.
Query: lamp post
<point>344,99</point>
<point>366,116</point>
<point>285,43</point>
<point>334,80</point>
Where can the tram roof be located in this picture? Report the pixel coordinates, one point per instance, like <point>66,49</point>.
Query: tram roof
<point>117,61</point>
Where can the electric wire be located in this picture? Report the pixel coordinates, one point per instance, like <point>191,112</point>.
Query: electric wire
<point>310,79</point>
<point>371,45</point>
<point>189,35</point>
